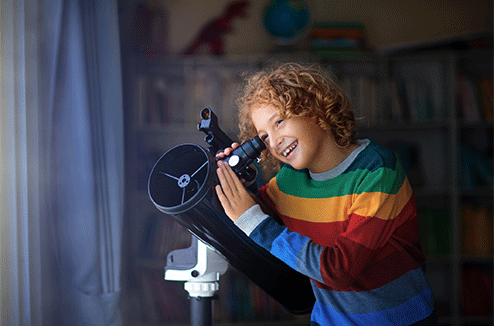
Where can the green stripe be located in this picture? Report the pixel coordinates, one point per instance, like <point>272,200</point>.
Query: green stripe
<point>298,182</point>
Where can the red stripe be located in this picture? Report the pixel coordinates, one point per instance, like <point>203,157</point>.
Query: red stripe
<point>350,270</point>
<point>268,202</point>
<point>385,270</point>
<point>323,234</point>
<point>374,232</point>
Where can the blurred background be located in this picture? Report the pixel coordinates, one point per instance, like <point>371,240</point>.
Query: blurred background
<point>94,92</point>
<point>407,67</point>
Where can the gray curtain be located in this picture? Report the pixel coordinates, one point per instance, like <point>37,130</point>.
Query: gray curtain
<point>20,218</point>
<point>84,113</point>
<point>61,150</point>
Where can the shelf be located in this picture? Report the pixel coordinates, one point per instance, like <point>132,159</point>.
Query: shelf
<point>391,125</point>
<point>476,125</point>
<point>483,191</point>
<point>478,320</point>
<point>481,260</point>
<point>420,191</point>
<point>438,260</point>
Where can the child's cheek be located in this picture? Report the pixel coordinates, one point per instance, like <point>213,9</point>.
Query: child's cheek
<point>273,152</point>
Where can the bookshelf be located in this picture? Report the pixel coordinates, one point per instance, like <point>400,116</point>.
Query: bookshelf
<point>419,105</point>
<point>454,193</point>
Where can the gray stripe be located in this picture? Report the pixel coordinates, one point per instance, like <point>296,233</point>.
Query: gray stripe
<point>336,171</point>
<point>309,260</point>
<point>250,219</point>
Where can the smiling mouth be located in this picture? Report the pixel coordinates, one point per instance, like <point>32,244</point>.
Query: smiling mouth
<point>290,149</point>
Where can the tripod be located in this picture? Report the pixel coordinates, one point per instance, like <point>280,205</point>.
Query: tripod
<point>200,267</point>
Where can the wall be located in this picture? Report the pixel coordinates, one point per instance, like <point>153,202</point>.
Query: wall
<point>388,22</point>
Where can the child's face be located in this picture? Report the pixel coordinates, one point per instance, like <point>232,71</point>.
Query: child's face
<point>298,141</point>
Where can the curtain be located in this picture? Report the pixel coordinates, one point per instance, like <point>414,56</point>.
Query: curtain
<point>20,284</point>
<point>61,149</point>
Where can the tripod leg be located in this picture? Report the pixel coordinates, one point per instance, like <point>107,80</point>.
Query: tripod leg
<point>201,311</point>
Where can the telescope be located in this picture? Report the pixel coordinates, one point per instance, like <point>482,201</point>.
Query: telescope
<point>182,184</point>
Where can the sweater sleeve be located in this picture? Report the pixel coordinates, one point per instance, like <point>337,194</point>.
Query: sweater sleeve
<point>382,202</point>
<point>279,241</point>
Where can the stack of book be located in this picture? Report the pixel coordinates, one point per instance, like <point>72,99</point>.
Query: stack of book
<point>338,39</point>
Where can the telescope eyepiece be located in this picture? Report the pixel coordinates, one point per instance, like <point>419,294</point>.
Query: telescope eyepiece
<point>245,154</point>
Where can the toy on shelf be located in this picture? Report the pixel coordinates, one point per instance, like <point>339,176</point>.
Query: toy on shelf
<point>213,33</point>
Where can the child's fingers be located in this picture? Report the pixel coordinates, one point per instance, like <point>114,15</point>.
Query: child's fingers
<point>225,182</point>
<point>231,193</point>
<point>224,154</point>
<point>223,199</point>
<point>235,184</point>
<point>227,151</point>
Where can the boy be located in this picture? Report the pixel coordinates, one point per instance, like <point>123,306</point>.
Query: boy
<point>348,213</point>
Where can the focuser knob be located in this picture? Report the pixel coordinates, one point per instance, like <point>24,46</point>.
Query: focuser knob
<point>233,161</point>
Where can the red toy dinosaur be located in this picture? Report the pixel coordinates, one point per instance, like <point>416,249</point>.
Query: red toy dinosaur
<point>212,34</point>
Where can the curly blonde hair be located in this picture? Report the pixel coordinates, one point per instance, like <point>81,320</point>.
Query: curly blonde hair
<point>298,91</point>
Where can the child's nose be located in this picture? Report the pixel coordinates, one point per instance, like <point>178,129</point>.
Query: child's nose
<point>275,140</point>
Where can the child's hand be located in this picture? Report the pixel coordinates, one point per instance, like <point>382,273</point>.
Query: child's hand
<point>232,194</point>
<point>227,151</point>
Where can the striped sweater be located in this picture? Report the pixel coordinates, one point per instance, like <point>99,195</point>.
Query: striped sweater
<point>354,231</point>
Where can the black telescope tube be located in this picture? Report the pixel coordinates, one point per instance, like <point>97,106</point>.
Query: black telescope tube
<point>182,184</point>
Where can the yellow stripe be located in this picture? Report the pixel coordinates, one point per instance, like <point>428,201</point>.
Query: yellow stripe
<point>310,209</point>
<point>337,209</point>
<point>381,205</point>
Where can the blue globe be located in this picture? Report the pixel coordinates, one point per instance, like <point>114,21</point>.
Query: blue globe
<point>286,20</point>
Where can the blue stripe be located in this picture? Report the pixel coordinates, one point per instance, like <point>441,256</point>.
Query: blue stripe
<point>413,310</point>
<point>297,251</point>
<point>387,296</point>
<point>266,232</point>
<point>287,246</point>
<point>373,157</point>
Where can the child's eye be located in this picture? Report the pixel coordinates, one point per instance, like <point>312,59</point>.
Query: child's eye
<point>279,121</point>
<point>264,137</point>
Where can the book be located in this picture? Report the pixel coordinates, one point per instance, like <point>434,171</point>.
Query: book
<point>477,290</point>
<point>477,169</point>
<point>467,92</point>
<point>399,110</point>
<point>146,250</point>
<point>435,231</point>
<point>421,87</point>
<point>485,91</point>
<point>476,230</point>
<point>362,92</point>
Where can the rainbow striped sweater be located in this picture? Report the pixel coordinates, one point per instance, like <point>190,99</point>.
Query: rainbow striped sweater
<point>354,231</point>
